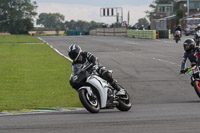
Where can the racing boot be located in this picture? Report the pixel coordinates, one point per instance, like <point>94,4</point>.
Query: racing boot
<point>120,91</point>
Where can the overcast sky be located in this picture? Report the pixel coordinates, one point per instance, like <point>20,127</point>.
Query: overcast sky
<point>89,10</point>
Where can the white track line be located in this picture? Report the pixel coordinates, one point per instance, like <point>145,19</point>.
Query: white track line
<point>133,43</point>
<point>164,60</point>
<point>56,49</point>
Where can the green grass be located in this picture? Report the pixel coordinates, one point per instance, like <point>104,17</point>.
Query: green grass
<point>18,39</point>
<point>34,75</point>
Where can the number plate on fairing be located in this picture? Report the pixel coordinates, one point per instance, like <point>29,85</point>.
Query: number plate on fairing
<point>190,71</point>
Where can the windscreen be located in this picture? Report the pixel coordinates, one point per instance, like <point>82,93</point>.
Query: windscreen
<point>76,68</point>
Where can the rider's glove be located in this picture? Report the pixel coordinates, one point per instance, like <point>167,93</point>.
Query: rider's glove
<point>95,67</point>
<point>182,71</point>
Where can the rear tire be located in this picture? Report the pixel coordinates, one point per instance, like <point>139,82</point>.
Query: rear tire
<point>197,87</point>
<point>124,103</point>
<point>92,105</point>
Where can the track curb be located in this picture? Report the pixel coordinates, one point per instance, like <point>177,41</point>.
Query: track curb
<point>38,111</point>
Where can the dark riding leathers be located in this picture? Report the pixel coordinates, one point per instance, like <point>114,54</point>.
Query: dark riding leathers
<point>88,58</point>
<point>178,29</point>
<point>193,56</point>
<point>196,35</point>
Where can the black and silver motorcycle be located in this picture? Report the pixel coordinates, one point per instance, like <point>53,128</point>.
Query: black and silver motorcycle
<point>94,92</point>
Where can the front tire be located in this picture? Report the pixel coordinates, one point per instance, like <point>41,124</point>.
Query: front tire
<point>197,87</point>
<point>90,103</point>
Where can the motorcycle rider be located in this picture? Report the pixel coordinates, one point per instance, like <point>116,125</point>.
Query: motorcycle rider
<point>80,57</point>
<point>191,53</point>
<point>195,35</point>
<point>178,28</point>
<point>197,28</point>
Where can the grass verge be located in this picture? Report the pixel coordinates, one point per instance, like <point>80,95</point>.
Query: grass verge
<point>34,75</point>
<point>18,39</point>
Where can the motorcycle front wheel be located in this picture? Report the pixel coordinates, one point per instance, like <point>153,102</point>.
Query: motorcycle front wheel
<point>196,85</point>
<point>91,103</point>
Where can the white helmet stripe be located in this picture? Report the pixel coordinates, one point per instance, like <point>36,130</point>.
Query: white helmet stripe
<point>72,47</point>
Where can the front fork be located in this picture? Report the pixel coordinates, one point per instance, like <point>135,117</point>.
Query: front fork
<point>192,80</point>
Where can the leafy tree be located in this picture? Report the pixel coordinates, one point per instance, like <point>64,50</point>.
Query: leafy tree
<point>82,25</point>
<point>16,16</point>
<point>179,14</point>
<point>51,20</point>
<point>57,30</point>
<point>142,22</point>
<point>94,25</point>
<point>21,26</point>
<point>70,25</point>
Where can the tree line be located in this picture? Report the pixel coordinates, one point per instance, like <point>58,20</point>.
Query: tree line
<point>56,21</point>
<point>17,17</point>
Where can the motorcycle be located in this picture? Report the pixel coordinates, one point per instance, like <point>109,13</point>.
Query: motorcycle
<point>197,37</point>
<point>177,36</point>
<point>194,72</point>
<point>96,93</point>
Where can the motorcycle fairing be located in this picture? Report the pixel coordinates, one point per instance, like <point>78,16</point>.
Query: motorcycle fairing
<point>100,85</point>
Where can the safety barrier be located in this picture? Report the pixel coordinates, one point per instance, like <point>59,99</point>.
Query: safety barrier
<point>109,32</point>
<point>46,33</point>
<point>143,34</point>
<point>76,32</point>
<point>4,33</point>
<point>93,32</point>
<point>164,34</point>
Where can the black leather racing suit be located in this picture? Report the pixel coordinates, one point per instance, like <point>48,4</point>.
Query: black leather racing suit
<point>88,58</point>
<point>193,56</point>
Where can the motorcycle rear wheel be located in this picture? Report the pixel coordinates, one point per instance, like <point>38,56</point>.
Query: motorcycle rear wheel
<point>91,104</point>
<point>176,39</point>
<point>124,103</point>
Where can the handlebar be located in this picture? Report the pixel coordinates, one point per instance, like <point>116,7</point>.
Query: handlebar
<point>188,69</point>
<point>88,67</point>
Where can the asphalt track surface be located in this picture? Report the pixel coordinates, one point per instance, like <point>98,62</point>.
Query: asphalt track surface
<point>163,101</point>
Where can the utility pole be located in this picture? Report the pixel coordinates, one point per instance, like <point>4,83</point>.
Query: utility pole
<point>128,17</point>
<point>188,8</point>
